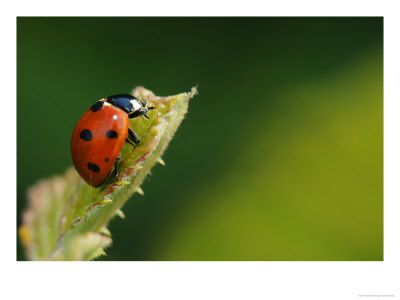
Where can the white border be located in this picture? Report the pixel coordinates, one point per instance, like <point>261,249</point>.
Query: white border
<point>195,280</point>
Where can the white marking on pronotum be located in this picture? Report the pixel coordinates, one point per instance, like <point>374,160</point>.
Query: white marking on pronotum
<point>136,105</point>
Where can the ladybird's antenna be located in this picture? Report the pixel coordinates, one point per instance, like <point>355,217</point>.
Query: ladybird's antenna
<point>144,102</point>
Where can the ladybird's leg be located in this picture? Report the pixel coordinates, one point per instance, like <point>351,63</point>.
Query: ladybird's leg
<point>129,142</point>
<point>116,166</point>
<point>132,135</point>
<point>138,113</point>
<point>143,101</point>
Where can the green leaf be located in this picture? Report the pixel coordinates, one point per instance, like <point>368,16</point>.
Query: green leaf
<point>67,219</point>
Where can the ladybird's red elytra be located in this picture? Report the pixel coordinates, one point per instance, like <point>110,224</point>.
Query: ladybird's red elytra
<point>100,133</point>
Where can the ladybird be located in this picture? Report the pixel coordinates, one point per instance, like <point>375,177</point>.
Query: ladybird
<point>100,133</point>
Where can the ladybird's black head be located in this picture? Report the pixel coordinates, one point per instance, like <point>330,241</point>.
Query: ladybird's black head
<point>130,104</point>
<point>123,101</point>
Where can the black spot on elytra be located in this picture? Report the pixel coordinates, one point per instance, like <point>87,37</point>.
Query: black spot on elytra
<point>86,135</point>
<point>93,167</point>
<point>107,159</point>
<point>97,106</point>
<point>111,134</point>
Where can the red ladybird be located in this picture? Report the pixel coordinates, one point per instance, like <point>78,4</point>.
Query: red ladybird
<point>100,133</point>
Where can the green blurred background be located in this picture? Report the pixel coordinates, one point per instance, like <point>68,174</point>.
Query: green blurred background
<point>279,158</point>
